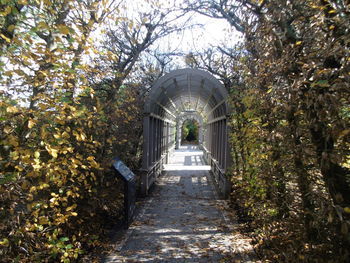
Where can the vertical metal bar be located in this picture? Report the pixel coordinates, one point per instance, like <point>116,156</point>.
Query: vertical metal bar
<point>146,154</point>
<point>225,144</point>
<point>211,137</point>
<point>217,144</point>
<point>162,137</point>
<point>157,140</point>
<point>151,148</point>
<point>222,147</point>
<point>146,143</point>
<point>215,139</point>
<point>168,137</point>
<point>219,141</point>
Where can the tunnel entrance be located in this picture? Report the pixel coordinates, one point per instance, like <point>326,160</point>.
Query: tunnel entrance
<point>186,105</point>
<point>190,131</point>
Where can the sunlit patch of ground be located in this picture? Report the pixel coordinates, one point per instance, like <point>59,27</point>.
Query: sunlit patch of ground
<point>183,222</point>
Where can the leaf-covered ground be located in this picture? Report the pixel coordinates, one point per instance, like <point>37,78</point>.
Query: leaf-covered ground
<point>182,220</point>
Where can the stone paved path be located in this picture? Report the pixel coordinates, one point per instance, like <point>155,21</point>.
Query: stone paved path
<point>182,220</point>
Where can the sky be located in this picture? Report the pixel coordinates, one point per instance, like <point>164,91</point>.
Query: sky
<point>213,32</point>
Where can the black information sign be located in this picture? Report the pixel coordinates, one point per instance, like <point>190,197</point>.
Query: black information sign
<point>129,189</point>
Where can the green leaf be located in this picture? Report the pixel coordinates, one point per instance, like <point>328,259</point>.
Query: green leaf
<point>321,83</point>
<point>7,178</point>
<point>64,239</point>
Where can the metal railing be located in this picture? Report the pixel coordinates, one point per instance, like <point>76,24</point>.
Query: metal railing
<point>221,181</point>
<point>153,172</point>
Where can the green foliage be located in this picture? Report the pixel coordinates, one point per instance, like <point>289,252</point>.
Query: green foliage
<point>53,181</point>
<point>57,137</point>
<point>190,131</point>
<point>289,131</point>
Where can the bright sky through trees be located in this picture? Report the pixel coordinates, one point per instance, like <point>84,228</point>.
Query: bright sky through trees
<point>202,31</point>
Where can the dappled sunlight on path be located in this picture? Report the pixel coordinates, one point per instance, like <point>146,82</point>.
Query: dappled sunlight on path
<point>182,220</point>
<point>187,158</point>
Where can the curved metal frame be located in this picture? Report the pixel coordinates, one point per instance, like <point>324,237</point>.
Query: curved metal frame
<point>179,95</point>
<point>181,119</point>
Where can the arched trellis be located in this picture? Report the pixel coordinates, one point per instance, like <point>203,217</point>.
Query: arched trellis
<point>175,97</point>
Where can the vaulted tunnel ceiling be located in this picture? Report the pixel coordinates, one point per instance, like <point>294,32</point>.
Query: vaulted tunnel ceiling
<point>187,90</point>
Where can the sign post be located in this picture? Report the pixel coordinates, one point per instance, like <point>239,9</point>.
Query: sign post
<point>129,179</point>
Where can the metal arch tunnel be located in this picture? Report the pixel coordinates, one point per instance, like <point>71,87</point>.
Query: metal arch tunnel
<point>177,96</point>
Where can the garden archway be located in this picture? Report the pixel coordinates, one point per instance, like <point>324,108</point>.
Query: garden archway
<point>179,95</point>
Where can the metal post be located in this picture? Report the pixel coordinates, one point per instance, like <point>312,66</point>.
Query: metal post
<point>178,135</point>
<point>151,140</point>
<point>146,155</point>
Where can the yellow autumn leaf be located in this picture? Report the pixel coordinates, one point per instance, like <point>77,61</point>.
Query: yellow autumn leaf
<point>36,166</point>
<point>11,28</point>
<point>13,140</point>
<point>74,214</point>
<point>4,242</point>
<point>63,29</point>
<point>71,207</point>
<point>43,186</point>
<point>7,129</point>
<point>42,25</point>
<point>7,10</point>
<point>65,135</point>
<point>91,22</point>
<point>53,152</point>
<point>43,131</point>
<point>90,158</point>
<point>25,185</point>
<point>31,123</point>
<point>37,154</point>
<point>43,220</point>
<point>12,109</point>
